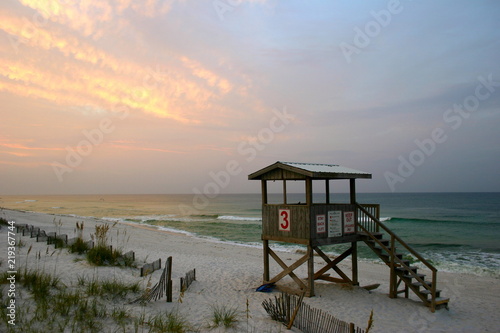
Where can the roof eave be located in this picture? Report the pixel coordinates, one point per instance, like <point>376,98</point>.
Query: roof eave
<point>314,175</point>
<point>324,175</point>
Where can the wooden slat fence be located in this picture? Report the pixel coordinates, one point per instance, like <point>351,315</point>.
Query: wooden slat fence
<point>58,240</point>
<point>164,286</point>
<point>42,236</point>
<point>307,318</point>
<point>151,267</point>
<point>187,280</point>
<point>20,226</point>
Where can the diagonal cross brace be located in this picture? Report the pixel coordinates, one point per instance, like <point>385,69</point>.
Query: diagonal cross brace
<point>288,270</point>
<point>332,264</point>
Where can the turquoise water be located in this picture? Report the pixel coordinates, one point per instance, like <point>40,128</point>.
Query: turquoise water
<point>457,232</point>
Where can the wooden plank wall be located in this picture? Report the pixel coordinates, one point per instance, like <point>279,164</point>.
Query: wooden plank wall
<point>299,217</point>
<point>323,209</point>
<point>303,223</point>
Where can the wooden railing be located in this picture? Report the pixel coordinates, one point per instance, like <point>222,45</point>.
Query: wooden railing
<point>394,262</point>
<point>365,220</point>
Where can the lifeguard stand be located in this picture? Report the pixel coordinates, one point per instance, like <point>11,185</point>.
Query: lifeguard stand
<point>311,224</point>
<point>317,224</point>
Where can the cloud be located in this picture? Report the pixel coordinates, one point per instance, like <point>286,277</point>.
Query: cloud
<point>23,147</point>
<point>94,17</point>
<point>194,87</point>
<point>25,164</point>
<point>210,77</point>
<point>124,146</point>
<point>82,73</point>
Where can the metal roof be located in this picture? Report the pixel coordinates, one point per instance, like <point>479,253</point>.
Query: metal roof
<point>313,170</point>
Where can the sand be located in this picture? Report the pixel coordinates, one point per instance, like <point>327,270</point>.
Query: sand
<point>227,274</point>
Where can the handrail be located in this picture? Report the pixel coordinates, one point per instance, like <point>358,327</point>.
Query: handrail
<point>375,209</point>
<point>432,287</point>
<point>394,258</point>
<point>412,251</point>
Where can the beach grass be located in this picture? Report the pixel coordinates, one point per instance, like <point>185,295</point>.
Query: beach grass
<point>82,307</point>
<point>114,288</point>
<point>79,246</point>
<point>89,304</point>
<point>106,256</point>
<point>169,321</point>
<point>224,316</point>
<point>39,282</point>
<point>120,315</point>
<point>103,254</point>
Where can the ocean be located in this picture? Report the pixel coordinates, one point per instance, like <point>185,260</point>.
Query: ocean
<point>456,232</point>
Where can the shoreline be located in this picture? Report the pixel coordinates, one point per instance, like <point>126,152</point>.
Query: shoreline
<point>229,273</point>
<point>447,267</point>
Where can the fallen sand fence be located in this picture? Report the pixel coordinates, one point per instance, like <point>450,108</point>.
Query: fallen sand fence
<point>164,286</point>
<point>291,311</point>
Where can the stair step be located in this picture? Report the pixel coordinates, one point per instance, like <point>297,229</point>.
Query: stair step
<point>442,300</point>
<point>399,255</point>
<point>380,248</point>
<point>407,274</point>
<point>412,276</point>
<point>383,241</point>
<point>428,292</point>
<point>419,284</point>
<point>404,269</point>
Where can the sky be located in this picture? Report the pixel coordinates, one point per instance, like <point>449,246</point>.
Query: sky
<point>171,96</point>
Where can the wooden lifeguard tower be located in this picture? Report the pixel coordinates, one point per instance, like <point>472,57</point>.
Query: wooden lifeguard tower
<point>318,224</point>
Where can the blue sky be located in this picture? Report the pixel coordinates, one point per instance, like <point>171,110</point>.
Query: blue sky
<point>158,96</point>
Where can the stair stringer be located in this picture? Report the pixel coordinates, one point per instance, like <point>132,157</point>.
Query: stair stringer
<point>401,268</point>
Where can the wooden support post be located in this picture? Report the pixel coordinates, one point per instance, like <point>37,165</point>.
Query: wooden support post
<point>284,192</point>
<point>309,196</point>
<point>393,287</point>
<point>169,279</point>
<point>265,243</point>
<point>352,190</point>
<point>310,271</point>
<point>295,311</point>
<point>264,191</point>
<point>354,259</point>
<point>327,190</point>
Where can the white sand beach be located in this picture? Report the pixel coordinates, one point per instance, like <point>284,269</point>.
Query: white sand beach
<point>228,274</point>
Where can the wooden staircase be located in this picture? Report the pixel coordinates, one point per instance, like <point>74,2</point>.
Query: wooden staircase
<point>401,269</point>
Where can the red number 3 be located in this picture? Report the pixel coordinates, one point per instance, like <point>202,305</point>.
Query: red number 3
<point>285,225</point>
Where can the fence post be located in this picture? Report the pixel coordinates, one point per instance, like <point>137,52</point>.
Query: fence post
<point>295,311</point>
